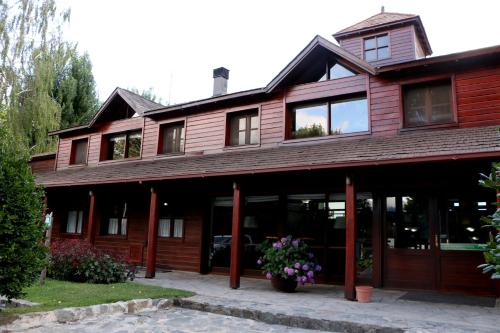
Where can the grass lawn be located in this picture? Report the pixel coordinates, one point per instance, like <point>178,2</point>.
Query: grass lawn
<point>62,294</point>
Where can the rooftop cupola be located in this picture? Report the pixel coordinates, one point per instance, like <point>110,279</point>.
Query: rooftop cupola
<point>386,38</point>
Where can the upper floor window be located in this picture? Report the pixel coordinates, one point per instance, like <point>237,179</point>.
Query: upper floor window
<point>243,128</point>
<point>122,145</point>
<point>427,103</point>
<point>339,116</point>
<point>376,48</point>
<point>336,71</point>
<point>171,138</point>
<point>79,151</point>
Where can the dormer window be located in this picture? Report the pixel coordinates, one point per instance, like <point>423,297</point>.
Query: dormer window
<point>171,138</point>
<point>336,71</point>
<point>122,145</point>
<point>243,128</point>
<point>376,47</point>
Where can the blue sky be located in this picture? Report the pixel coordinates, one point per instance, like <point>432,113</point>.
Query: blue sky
<point>173,46</point>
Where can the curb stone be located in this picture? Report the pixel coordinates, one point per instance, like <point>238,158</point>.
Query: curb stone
<point>32,320</point>
<point>286,320</point>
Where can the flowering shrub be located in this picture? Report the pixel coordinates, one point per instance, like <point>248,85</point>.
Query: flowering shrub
<point>77,260</point>
<point>289,258</point>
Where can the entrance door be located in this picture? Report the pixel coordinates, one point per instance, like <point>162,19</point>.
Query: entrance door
<point>409,250</point>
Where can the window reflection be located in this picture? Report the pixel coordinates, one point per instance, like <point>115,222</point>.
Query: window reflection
<point>349,116</point>
<point>309,121</point>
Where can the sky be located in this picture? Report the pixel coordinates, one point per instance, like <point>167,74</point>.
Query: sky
<point>172,47</point>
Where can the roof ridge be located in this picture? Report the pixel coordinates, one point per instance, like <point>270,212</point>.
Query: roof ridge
<point>348,29</point>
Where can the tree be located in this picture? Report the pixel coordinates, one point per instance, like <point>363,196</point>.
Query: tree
<point>22,255</point>
<point>75,91</point>
<point>32,52</point>
<point>492,250</point>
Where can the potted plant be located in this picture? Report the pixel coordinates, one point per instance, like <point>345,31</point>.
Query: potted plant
<point>288,262</point>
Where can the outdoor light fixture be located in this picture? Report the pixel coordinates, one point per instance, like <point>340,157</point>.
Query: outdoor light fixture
<point>413,229</point>
<point>456,204</point>
<point>165,204</point>
<point>471,229</point>
<point>407,229</point>
<point>475,238</point>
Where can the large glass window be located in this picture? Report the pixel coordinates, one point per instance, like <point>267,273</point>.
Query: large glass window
<point>79,151</point>
<point>346,116</point>
<point>376,48</point>
<point>243,128</point>
<point>407,223</point>
<point>221,226</point>
<point>123,145</point>
<point>461,227</point>
<point>172,136</point>
<point>428,103</point>
<point>349,116</point>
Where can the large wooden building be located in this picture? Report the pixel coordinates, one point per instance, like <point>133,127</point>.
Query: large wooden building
<point>369,150</point>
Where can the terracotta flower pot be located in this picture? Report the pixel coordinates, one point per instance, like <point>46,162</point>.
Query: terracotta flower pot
<point>364,294</point>
<point>284,285</point>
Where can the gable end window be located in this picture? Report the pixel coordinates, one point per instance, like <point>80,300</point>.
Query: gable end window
<point>427,103</point>
<point>336,71</point>
<point>171,138</point>
<point>79,151</point>
<point>122,145</point>
<point>376,48</point>
<point>333,117</point>
<point>243,128</point>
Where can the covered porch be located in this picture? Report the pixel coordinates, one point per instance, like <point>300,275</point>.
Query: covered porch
<point>410,226</point>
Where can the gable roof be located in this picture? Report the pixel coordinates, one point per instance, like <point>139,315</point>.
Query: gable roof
<point>383,20</point>
<point>437,145</point>
<point>319,42</point>
<point>138,103</point>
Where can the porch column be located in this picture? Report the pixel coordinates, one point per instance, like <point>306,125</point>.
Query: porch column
<point>235,267</point>
<point>350,239</point>
<point>91,224</point>
<point>152,235</point>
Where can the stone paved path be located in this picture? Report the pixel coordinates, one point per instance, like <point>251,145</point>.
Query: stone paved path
<point>171,320</point>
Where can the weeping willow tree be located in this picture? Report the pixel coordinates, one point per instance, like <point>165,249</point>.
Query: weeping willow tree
<point>32,53</point>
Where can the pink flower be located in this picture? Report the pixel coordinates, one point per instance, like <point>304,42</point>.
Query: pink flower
<point>297,265</point>
<point>318,268</point>
<point>284,240</point>
<point>295,243</point>
<point>269,275</point>
<point>305,267</point>
<point>259,262</point>
<point>290,272</point>
<point>310,274</point>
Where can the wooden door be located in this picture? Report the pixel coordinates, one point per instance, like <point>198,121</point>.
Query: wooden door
<point>409,248</point>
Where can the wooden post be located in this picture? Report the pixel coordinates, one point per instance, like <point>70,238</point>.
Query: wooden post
<point>48,237</point>
<point>91,225</point>
<point>350,248</point>
<point>235,267</point>
<point>152,235</point>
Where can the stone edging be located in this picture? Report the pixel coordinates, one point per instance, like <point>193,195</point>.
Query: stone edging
<point>32,320</point>
<point>283,319</point>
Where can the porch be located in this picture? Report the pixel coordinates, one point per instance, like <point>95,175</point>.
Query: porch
<point>326,304</point>
<point>402,226</point>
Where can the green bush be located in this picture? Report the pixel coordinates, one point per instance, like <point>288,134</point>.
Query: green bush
<point>22,254</point>
<point>77,260</point>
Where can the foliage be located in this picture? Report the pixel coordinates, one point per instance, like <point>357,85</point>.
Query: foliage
<point>148,94</point>
<point>62,294</point>
<point>22,254</point>
<point>77,260</point>
<point>75,91</point>
<point>32,52</point>
<point>289,258</point>
<point>309,131</point>
<point>492,249</point>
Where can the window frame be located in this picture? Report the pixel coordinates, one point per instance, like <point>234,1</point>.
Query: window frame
<point>161,127</point>
<point>430,80</point>
<point>327,102</point>
<point>389,48</point>
<point>330,64</point>
<point>229,114</point>
<point>105,153</point>
<point>104,222</point>
<point>172,219</point>
<point>65,224</point>
<point>74,143</point>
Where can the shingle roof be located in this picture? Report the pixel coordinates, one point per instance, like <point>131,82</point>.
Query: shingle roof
<point>422,146</point>
<point>376,20</point>
<point>138,103</point>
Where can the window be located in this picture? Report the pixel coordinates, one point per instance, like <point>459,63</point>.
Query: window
<point>427,104</point>
<point>116,221</point>
<point>123,145</point>
<point>243,128</point>
<point>336,71</point>
<point>330,118</point>
<point>79,151</point>
<point>74,222</point>
<point>171,227</point>
<point>376,48</point>
<point>172,138</point>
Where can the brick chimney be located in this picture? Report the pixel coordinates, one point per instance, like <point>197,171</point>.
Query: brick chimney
<point>221,75</point>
